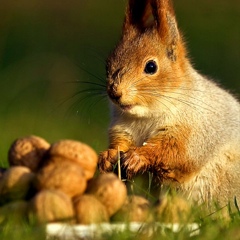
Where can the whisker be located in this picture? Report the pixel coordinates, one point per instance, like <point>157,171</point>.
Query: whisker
<point>191,97</point>
<point>90,83</point>
<point>93,83</point>
<point>87,93</point>
<point>79,101</point>
<point>186,102</point>
<point>174,80</point>
<point>192,104</point>
<point>93,75</point>
<point>159,100</point>
<point>96,52</point>
<point>153,88</point>
<point>159,96</point>
<point>101,98</point>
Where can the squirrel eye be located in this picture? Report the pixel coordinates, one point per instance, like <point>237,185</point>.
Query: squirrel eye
<point>150,67</point>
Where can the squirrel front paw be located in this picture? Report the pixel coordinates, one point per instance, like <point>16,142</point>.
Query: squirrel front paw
<point>107,160</point>
<point>134,162</point>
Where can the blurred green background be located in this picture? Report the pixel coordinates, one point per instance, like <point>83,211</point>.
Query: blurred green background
<point>47,47</point>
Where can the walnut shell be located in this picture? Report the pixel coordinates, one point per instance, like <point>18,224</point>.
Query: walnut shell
<point>89,209</point>
<point>66,176</point>
<point>135,209</point>
<point>15,183</point>
<point>51,206</point>
<point>28,152</point>
<point>173,209</point>
<point>109,190</point>
<point>77,152</point>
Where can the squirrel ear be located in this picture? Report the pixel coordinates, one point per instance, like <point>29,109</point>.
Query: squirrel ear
<point>166,24</point>
<point>137,15</point>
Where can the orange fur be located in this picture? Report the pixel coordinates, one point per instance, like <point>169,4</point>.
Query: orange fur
<point>165,155</point>
<point>172,121</point>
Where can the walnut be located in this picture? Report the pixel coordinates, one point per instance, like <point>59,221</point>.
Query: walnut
<point>77,152</point>
<point>51,206</point>
<point>65,175</point>
<point>28,152</point>
<point>172,208</point>
<point>89,210</point>
<point>109,190</point>
<point>135,209</point>
<point>15,183</point>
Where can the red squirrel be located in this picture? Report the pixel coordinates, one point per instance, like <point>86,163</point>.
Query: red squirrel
<point>166,118</point>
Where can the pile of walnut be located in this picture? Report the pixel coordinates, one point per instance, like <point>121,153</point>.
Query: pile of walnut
<point>52,183</point>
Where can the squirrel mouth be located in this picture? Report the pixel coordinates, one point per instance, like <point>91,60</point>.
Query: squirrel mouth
<point>126,107</point>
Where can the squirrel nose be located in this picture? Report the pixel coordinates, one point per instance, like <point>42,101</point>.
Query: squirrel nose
<point>114,92</point>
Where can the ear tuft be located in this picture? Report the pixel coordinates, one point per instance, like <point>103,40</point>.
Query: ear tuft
<point>137,14</point>
<point>159,14</point>
<point>166,24</point>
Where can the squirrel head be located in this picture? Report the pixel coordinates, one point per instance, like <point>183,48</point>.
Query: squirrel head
<point>149,59</point>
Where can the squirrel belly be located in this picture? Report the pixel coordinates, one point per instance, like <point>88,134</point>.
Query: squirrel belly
<point>166,118</point>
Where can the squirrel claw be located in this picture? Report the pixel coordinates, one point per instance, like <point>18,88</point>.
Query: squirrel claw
<point>133,163</point>
<point>107,160</point>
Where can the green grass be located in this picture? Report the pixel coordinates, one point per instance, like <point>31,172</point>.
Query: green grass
<point>219,224</point>
<point>211,227</point>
